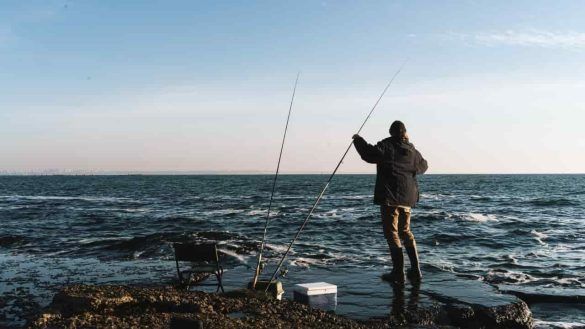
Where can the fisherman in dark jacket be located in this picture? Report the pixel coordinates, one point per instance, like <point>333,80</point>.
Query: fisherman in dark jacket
<point>397,163</point>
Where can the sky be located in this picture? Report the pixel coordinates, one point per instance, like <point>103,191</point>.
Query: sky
<point>205,86</point>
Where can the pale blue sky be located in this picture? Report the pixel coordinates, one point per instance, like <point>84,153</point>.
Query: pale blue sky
<point>490,86</point>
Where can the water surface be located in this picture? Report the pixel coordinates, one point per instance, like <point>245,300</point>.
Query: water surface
<point>520,230</point>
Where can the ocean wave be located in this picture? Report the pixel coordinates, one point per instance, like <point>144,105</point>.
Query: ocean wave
<point>293,197</point>
<point>17,197</point>
<point>130,247</point>
<point>314,260</point>
<point>439,238</point>
<point>240,258</point>
<point>223,212</point>
<point>333,213</point>
<point>263,212</point>
<point>436,196</point>
<point>320,257</point>
<point>542,202</point>
<point>240,246</point>
<point>101,240</point>
<point>500,276</point>
<point>561,247</point>
<point>465,216</point>
<point>476,217</point>
<point>226,197</point>
<point>426,216</point>
<point>541,324</point>
<point>539,236</point>
<point>159,244</point>
<point>348,197</point>
<point>109,209</point>
<point>480,198</point>
<point>276,247</point>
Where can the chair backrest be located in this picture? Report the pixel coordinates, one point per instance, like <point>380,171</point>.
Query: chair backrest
<point>193,252</point>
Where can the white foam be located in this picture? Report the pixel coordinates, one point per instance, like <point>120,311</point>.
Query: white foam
<point>475,217</point>
<point>561,247</point>
<point>435,196</point>
<point>91,240</point>
<point>56,197</point>
<point>108,209</point>
<point>227,197</point>
<point>539,236</point>
<point>429,196</point>
<point>305,262</point>
<point>353,197</point>
<point>230,253</point>
<point>256,212</point>
<point>329,214</point>
<point>276,247</point>
<point>507,276</point>
<point>223,212</point>
<point>540,324</point>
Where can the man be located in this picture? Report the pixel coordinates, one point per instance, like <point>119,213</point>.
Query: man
<point>397,163</point>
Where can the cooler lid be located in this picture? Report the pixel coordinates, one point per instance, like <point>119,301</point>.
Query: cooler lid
<point>316,288</point>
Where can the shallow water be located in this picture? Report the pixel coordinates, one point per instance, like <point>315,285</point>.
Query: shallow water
<point>520,230</point>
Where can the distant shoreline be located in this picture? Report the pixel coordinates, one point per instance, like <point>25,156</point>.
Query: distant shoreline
<point>261,174</point>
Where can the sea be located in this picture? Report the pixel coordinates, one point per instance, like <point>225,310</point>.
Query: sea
<point>520,231</point>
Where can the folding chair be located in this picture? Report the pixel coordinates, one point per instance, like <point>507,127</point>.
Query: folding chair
<point>204,259</point>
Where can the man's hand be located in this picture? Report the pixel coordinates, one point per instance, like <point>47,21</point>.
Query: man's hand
<point>356,136</point>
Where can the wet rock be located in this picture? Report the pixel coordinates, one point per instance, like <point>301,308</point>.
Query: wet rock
<point>460,314</point>
<point>181,322</point>
<point>473,304</point>
<point>455,304</point>
<point>532,295</point>
<point>165,307</point>
<point>514,316</point>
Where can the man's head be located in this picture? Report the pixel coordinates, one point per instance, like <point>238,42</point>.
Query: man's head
<point>398,129</point>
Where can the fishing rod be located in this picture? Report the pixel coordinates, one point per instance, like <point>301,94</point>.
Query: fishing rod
<point>257,272</point>
<point>329,180</point>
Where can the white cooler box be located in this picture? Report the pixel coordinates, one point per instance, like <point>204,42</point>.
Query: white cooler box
<point>321,295</point>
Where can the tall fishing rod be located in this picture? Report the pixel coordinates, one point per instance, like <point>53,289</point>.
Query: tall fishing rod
<point>330,178</point>
<point>257,272</point>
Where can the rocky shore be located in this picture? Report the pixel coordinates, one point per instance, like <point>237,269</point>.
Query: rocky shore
<point>85,306</point>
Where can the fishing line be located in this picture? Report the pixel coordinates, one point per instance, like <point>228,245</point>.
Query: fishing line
<point>257,272</point>
<point>330,178</point>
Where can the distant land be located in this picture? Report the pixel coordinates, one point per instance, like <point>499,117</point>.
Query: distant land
<point>56,172</point>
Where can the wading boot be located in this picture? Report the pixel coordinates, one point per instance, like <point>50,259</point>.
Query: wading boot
<point>414,273</point>
<point>397,274</point>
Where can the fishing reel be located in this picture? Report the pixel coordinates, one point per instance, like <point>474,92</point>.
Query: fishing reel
<point>283,272</point>
<point>262,266</point>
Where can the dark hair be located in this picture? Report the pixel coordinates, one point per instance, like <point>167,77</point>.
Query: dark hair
<point>397,129</point>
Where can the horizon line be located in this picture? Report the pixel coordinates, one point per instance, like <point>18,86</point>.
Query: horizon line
<point>241,173</point>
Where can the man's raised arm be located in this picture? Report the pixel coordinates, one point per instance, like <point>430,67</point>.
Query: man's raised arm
<point>369,153</point>
<point>420,164</point>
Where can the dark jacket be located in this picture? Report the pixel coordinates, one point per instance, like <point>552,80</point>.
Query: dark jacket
<point>398,163</point>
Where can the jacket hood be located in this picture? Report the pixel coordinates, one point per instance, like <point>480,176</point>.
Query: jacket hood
<point>400,143</point>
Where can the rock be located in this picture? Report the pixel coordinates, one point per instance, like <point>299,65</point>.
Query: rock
<point>473,304</point>
<point>450,302</point>
<point>185,323</point>
<point>514,316</point>
<point>460,314</point>
<point>532,295</point>
<point>162,307</point>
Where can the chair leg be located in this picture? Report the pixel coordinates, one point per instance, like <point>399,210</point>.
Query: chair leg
<point>189,280</point>
<point>181,281</point>
<point>218,276</point>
